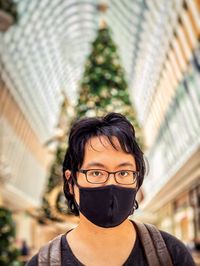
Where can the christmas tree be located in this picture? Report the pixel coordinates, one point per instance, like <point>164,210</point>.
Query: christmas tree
<point>54,204</point>
<point>8,253</point>
<point>103,87</point>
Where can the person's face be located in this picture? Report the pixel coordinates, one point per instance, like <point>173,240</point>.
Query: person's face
<point>100,154</point>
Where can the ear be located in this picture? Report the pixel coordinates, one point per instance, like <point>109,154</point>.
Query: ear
<point>68,176</point>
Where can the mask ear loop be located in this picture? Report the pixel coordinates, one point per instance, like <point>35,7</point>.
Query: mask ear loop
<point>71,181</point>
<point>135,207</point>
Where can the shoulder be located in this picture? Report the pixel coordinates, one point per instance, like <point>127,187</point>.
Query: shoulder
<point>43,255</point>
<point>33,261</point>
<point>179,253</point>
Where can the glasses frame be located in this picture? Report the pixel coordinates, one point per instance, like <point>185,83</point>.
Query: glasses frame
<point>84,171</point>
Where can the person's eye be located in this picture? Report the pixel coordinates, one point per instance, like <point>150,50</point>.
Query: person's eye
<point>124,173</point>
<point>96,173</point>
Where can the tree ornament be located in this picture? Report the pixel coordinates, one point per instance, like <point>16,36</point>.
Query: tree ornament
<point>100,60</point>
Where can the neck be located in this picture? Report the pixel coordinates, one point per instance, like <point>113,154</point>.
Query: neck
<point>90,232</point>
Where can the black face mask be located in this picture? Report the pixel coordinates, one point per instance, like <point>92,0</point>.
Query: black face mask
<point>107,206</point>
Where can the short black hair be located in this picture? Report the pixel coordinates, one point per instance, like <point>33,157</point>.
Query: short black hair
<point>110,125</point>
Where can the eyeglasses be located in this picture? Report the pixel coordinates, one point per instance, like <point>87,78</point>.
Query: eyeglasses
<point>123,177</point>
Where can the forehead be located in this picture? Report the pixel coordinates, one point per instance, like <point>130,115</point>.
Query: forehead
<point>102,143</point>
<point>100,151</point>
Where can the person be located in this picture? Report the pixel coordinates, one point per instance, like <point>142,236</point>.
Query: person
<point>103,170</point>
<point>24,252</point>
<point>24,248</point>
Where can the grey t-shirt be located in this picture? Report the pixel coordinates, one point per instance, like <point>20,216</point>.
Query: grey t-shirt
<point>178,251</point>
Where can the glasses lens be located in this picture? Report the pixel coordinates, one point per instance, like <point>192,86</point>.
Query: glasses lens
<point>97,176</point>
<point>126,177</point>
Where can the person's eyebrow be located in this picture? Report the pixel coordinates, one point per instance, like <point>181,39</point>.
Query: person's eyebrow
<point>126,164</point>
<point>97,164</point>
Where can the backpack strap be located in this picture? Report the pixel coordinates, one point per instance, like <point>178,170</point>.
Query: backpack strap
<point>154,246</point>
<point>160,245</point>
<point>50,254</point>
<point>148,245</point>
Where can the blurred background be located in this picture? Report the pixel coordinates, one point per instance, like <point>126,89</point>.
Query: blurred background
<point>64,59</point>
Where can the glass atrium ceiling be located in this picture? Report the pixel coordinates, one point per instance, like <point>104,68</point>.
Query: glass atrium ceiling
<point>42,56</point>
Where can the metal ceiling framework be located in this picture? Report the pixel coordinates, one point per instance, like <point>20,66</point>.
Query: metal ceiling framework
<point>43,55</point>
